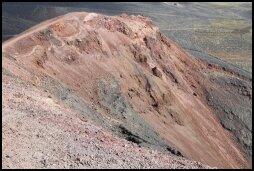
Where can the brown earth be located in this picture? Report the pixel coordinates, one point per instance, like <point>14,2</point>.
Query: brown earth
<point>40,132</point>
<point>129,74</point>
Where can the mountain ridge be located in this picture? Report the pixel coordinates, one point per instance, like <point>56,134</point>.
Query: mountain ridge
<point>139,82</point>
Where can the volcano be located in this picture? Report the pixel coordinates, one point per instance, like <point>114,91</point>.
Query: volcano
<point>84,83</point>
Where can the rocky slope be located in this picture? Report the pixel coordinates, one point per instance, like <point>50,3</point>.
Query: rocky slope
<point>41,132</point>
<point>121,73</point>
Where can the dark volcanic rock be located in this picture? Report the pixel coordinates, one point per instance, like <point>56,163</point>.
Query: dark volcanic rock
<point>234,108</point>
<point>122,74</point>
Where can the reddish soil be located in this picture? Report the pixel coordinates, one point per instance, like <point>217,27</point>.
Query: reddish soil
<point>40,132</point>
<point>160,80</point>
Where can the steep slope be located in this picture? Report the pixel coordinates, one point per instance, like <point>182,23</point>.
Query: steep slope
<point>223,30</point>
<point>126,76</point>
<point>39,131</point>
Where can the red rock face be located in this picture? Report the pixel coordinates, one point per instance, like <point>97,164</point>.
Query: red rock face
<point>161,82</point>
